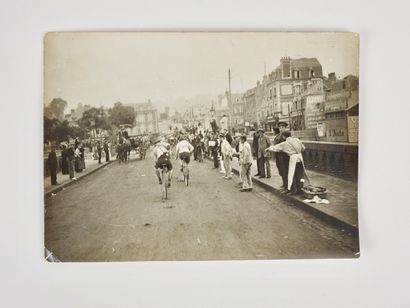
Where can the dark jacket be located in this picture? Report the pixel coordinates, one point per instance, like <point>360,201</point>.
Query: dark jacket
<point>264,143</point>
<point>64,163</point>
<point>70,154</point>
<point>52,161</point>
<point>255,144</point>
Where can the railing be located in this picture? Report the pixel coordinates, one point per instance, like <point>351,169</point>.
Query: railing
<point>335,158</point>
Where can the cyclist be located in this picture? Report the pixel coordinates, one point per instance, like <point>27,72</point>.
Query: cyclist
<point>183,150</point>
<point>162,157</point>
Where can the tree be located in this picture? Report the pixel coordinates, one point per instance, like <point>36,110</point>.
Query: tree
<point>94,118</point>
<point>49,126</point>
<point>63,131</point>
<point>55,109</point>
<point>121,114</point>
<point>57,131</point>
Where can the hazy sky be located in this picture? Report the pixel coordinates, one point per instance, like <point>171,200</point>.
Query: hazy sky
<point>103,68</point>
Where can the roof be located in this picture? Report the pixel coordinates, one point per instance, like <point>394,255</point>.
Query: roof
<point>303,63</point>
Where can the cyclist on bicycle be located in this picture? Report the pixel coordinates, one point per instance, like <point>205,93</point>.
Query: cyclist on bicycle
<point>162,157</point>
<point>183,151</point>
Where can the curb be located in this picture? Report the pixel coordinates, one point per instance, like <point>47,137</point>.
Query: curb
<point>304,206</point>
<point>60,187</point>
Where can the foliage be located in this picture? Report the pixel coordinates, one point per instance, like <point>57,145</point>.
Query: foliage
<point>55,130</point>
<point>121,114</point>
<point>55,109</point>
<point>94,118</point>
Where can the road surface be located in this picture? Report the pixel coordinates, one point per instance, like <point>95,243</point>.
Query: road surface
<point>118,214</point>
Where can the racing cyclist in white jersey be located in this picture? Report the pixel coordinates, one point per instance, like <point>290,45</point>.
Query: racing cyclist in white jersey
<point>162,157</point>
<point>183,151</point>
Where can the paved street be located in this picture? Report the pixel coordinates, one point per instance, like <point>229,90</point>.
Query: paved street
<point>118,214</point>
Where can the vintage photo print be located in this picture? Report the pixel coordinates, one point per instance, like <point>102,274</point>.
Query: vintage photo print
<point>182,146</point>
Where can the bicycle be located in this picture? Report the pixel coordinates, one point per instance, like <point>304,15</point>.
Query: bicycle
<point>164,175</point>
<point>185,172</point>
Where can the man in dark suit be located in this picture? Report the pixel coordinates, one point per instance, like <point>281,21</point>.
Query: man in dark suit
<point>52,165</point>
<point>282,159</point>
<point>255,148</point>
<point>263,156</point>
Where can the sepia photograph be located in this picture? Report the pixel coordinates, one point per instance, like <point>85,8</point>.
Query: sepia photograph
<point>200,146</point>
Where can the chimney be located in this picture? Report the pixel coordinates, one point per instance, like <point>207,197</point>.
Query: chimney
<point>332,76</point>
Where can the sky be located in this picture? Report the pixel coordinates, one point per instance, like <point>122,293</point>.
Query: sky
<point>100,68</point>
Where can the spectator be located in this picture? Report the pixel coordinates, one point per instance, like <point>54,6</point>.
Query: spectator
<point>226,151</point>
<point>64,162</point>
<point>255,148</point>
<point>263,156</point>
<point>82,156</point>
<point>107,151</point>
<point>78,163</point>
<point>71,160</point>
<point>292,147</point>
<point>246,160</point>
<point>52,165</point>
<point>99,152</point>
<point>282,159</point>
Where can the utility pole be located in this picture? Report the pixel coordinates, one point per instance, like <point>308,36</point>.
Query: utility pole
<point>230,97</point>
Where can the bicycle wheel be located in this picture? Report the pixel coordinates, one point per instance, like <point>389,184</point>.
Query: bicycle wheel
<point>186,174</point>
<point>165,183</point>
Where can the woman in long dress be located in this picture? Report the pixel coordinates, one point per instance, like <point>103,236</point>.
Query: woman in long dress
<point>64,161</point>
<point>78,160</point>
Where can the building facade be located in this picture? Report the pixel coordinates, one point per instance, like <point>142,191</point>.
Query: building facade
<point>308,108</point>
<point>342,110</point>
<point>146,118</point>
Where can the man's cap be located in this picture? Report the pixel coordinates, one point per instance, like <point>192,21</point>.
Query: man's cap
<point>221,135</point>
<point>237,135</point>
<point>284,124</point>
<point>260,129</point>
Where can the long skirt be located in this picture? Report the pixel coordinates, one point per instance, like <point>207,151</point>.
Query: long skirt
<point>78,164</point>
<point>64,165</point>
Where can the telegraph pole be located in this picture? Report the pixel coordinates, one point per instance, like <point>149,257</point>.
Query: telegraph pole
<point>230,97</point>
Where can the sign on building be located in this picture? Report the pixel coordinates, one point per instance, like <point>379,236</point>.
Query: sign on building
<point>353,128</point>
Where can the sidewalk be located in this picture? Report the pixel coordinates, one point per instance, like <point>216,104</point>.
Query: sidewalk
<point>63,180</point>
<point>342,195</point>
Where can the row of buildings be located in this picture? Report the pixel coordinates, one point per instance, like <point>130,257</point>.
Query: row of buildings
<point>317,107</point>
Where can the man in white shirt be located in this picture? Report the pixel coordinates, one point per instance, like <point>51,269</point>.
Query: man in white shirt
<point>183,151</point>
<point>226,151</point>
<point>246,159</point>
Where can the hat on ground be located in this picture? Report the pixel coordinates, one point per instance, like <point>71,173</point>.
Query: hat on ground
<point>284,124</point>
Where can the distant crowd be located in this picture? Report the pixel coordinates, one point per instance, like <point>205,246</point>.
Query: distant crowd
<point>220,146</point>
